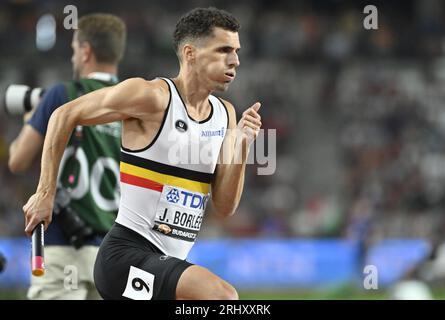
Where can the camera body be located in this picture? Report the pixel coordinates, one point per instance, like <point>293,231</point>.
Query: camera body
<point>20,98</point>
<point>73,227</point>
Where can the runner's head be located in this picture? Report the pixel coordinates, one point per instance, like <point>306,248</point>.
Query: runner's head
<point>206,41</point>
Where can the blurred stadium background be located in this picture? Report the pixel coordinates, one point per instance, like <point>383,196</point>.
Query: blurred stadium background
<point>360,120</point>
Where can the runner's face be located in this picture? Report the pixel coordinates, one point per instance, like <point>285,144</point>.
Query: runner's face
<point>217,59</point>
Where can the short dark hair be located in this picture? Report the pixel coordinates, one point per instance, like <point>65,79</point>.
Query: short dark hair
<point>106,33</point>
<point>200,22</point>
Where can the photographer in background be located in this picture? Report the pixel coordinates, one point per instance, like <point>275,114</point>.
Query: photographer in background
<point>87,199</point>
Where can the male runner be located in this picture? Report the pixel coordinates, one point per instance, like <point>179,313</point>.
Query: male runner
<point>163,199</point>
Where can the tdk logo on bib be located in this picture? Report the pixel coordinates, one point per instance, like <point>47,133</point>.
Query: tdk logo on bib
<point>173,196</point>
<point>186,198</point>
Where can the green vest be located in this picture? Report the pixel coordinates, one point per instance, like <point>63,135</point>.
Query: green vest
<point>93,174</point>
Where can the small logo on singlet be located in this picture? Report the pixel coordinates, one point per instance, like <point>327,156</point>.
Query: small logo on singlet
<point>173,196</point>
<point>181,126</point>
<point>213,133</point>
<point>165,229</point>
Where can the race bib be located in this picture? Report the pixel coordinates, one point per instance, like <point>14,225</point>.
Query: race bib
<point>179,213</point>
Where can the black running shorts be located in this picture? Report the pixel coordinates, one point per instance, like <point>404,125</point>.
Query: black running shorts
<point>128,266</point>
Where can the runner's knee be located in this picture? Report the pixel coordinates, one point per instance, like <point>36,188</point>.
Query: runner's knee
<point>221,290</point>
<point>227,292</point>
<point>199,283</point>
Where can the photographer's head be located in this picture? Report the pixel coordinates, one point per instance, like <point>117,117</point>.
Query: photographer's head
<point>98,44</point>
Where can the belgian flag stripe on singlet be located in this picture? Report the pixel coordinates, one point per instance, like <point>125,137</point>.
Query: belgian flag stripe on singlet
<point>153,175</point>
<point>141,182</point>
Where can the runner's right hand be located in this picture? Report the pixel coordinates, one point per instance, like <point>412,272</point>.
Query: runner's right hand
<point>38,208</point>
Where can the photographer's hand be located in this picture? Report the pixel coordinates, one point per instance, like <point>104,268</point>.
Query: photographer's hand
<point>38,208</point>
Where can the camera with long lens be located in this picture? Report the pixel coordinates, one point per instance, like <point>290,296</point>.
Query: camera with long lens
<point>75,230</point>
<point>20,98</point>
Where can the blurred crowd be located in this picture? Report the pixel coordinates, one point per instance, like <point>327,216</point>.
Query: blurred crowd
<point>358,113</point>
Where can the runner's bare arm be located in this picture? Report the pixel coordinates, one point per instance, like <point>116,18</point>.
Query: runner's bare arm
<point>229,181</point>
<point>133,98</point>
